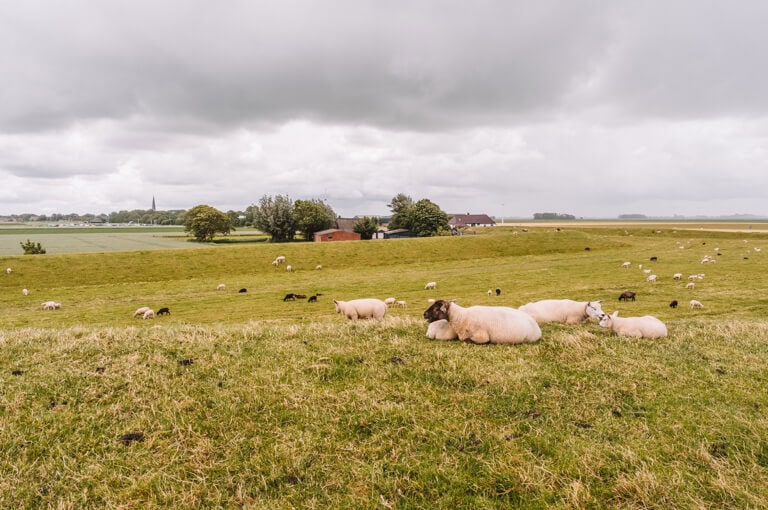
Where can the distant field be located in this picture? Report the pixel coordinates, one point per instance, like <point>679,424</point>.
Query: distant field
<point>244,400</point>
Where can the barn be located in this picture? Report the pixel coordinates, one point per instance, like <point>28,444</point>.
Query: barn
<point>470,220</point>
<point>334,234</point>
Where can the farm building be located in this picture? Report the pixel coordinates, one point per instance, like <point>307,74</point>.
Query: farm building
<point>346,224</point>
<point>470,220</point>
<point>334,234</point>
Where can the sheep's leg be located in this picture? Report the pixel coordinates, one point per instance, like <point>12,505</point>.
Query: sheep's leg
<point>480,339</point>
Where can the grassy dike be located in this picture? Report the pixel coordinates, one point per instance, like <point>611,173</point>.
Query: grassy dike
<point>244,400</point>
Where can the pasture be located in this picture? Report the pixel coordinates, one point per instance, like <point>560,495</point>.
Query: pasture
<point>241,399</point>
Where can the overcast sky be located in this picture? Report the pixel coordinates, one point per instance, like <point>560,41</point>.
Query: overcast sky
<point>591,108</point>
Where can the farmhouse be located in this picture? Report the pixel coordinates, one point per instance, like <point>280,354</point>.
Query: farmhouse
<point>470,220</point>
<point>335,234</point>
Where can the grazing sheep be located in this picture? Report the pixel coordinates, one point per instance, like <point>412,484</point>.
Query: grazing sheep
<point>651,278</point>
<point>280,259</point>
<point>290,296</point>
<point>654,259</point>
<point>318,267</point>
<point>312,299</point>
<point>140,311</point>
<point>696,304</point>
<point>220,286</point>
<point>647,271</point>
<point>690,285</point>
<point>149,314</point>
<point>673,304</point>
<point>647,326</point>
<point>565,311</point>
<point>441,330</point>
<point>368,308</point>
<point>389,301</point>
<point>490,292</point>
<point>626,265</point>
<point>24,291</point>
<point>275,263</point>
<point>9,270</point>
<point>242,291</point>
<point>163,311</point>
<point>51,305</point>
<point>498,291</point>
<point>430,286</point>
<point>486,324</point>
<point>627,295</point>
<point>401,303</point>
<point>288,268</point>
<point>677,276</point>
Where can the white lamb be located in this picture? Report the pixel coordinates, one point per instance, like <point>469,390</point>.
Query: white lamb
<point>51,305</point>
<point>565,311</point>
<point>149,314</point>
<point>441,330</point>
<point>696,304</point>
<point>140,311</point>
<point>368,308</point>
<point>486,324</point>
<point>430,286</point>
<point>221,286</point>
<point>389,301</point>
<point>647,326</point>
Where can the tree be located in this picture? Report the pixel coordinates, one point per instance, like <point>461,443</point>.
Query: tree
<point>274,216</point>
<point>204,221</point>
<point>32,248</point>
<point>427,219</point>
<point>312,216</point>
<point>401,207</point>
<point>366,227</point>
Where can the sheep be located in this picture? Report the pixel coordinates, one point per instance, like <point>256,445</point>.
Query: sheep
<point>401,303</point>
<point>627,295</point>
<point>486,324</point>
<point>431,300</point>
<point>140,311</point>
<point>647,326</point>
<point>490,292</point>
<point>677,276</point>
<point>696,304</point>
<point>312,299</point>
<point>430,286</point>
<point>565,311</point>
<point>673,304</point>
<point>651,278</point>
<point>290,296</point>
<point>441,330</point>
<point>163,311</point>
<point>498,291</point>
<point>220,286</point>
<point>626,265</point>
<point>367,308</point>
<point>24,291</point>
<point>149,314</point>
<point>389,301</point>
<point>288,268</point>
<point>318,267</point>
<point>690,285</point>
<point>280,259</point>
<point>50,305</point>
<point>9,270</point>
<point>275,263</point>
<point>647,271</point>
<point>242,291</point>
<point>654,259</point>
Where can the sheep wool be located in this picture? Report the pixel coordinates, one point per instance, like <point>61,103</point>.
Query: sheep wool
<point>367,308</point>
<point>486,324</point>
<point>647,326</point>
<point>565,311</point>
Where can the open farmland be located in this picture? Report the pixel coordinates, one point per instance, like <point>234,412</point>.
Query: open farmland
<point>246,400</point>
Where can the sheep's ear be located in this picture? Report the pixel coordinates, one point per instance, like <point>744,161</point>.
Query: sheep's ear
<point>335,302</point>
<point>615,314</point>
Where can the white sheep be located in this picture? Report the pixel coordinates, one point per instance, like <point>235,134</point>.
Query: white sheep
<point>647,271</point>
<point>288,268</point>
<point>318,267</point>
<point>486,324</point>
<point>647,326</point>
<point>140,311</point>
<point>24,291</point>
<point>651,278</point>
<point>401,303</point>
<point>51,305</point>
<point>221,286</point>
<point>9,270</point>
<point>149,314</point>
<point>280,259</point>
<point>690,285</point>
<point>389,301</point>
<point>368,308</point>
<point>441,330</point>
<point>696,304</point>
<point>431,300</point>
<point>677,276</point>
<point>490,292</point>
<point>275,263</point>
<point>430,286</point>
<point>565,311</point>
<point>626,265</point>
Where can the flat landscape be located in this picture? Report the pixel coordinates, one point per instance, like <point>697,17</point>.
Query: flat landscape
<point>241,399</point>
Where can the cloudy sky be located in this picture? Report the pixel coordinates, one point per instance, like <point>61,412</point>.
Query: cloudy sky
<point>505,107</point>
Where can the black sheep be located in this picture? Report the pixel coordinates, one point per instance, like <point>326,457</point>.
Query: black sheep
<point>164,311</point>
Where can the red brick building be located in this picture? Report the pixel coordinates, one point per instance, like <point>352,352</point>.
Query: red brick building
<point>334,234</point>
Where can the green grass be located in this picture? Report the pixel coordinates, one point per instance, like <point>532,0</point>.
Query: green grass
<point>287,405</point>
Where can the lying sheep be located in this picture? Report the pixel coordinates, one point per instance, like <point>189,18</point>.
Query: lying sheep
<point>647,326</point>
<point>696,304</point>
<point>149,314</point>
<point>430,286</point>
<point>486,324</point>
<point>140,311</point>
<point>565,311</point>
<point>627,295</point>
<point>367,308</point>
<point>441,330</point>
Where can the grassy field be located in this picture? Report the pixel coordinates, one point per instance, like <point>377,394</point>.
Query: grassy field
<point>245,400</point>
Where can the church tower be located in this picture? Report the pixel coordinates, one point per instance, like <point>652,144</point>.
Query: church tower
<point>153,202</point>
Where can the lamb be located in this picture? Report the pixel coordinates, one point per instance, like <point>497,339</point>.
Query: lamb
<point>149,314</point>
<point>163,311</point>
<point>401,304</point>
<point>696,304</point>
<point>389,301</point>
<point>441,330</point>
<point>51,305</point>
<point>430,286</point>
<point>140,311</point>
<point>564,311</point>
<point>627,295</point>
<point>626,265</point>
<point>367,308</point>
<point>486,324</point>
<point>220,286</point>
<point>651,278</point>
<point>647,326</point>
<point>673,304</point>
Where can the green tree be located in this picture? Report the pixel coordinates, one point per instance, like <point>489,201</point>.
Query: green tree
<point>366,227</point>
<point>401,207</point>
<point>204,221</point>
<point>312,216</point>
<point>427,219</point>
<point>32,248</point>
<point>274,216</point>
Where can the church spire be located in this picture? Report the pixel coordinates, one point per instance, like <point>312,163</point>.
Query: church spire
<point>153,202</point>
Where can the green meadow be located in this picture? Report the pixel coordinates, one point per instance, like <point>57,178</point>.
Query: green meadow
<point>244,400</point>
